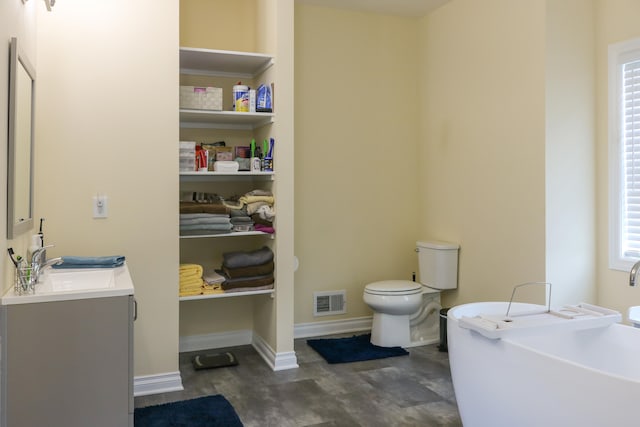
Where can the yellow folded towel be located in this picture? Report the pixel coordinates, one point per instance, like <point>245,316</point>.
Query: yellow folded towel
<point>188,270</point>
<point>253,199</point>
<point>187,283</point>
<point>201,290</point>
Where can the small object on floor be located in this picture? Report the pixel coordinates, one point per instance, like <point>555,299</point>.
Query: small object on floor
<point>208,411</point>
<point>214,360</point>
<point>353,349</point>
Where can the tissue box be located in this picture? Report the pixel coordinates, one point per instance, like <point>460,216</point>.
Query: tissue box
<point>201,98</point>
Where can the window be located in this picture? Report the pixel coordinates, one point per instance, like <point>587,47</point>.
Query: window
<point>624,154</point>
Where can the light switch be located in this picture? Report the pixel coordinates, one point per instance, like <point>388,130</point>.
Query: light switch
<point>100,206</point>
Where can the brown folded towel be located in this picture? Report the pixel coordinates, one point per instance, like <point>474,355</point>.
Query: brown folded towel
<point>194,207</point>
<point>249,283</point>
<point>255,270</point>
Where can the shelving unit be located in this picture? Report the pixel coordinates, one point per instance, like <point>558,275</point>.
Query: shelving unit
<point>239,65</point>
<point>227,295</point>
<point>224,119</point>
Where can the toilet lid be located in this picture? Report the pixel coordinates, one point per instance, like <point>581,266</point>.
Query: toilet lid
<point>393,287</point>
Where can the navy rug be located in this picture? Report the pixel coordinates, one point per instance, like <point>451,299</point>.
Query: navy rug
<point>209,411</point>
<point>354,349</point>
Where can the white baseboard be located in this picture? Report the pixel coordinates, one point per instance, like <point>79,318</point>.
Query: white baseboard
<point>154,384</point>
<point>329,327</point>
<point>277,361</point>
<point>217,340</point>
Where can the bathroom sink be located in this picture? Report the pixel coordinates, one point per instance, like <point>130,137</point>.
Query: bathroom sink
<point>74,284</point>
<point>78,280</point>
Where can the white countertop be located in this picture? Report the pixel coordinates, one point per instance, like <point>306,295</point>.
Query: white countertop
<point>45,292</point>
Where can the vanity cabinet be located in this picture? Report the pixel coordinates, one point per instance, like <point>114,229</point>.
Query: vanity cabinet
<point>206,67</point>
<point>68,363</point>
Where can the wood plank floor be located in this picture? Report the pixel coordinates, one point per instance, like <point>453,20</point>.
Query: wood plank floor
<point>412,390</point>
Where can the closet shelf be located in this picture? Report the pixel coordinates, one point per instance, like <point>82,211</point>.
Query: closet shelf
<point>223,119</point>
<point>227,295</point>
<point>223,63</point>
<point>232,234</point>
<point>224,176</point>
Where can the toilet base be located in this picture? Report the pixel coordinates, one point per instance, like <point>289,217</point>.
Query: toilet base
<point>390,330</point>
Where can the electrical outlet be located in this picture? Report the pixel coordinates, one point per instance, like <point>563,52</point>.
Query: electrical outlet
<point>100,207</point>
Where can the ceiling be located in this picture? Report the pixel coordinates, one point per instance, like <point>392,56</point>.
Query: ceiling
<point>416,8</point>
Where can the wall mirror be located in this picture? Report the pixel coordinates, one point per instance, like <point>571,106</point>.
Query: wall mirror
<point>22,80</point>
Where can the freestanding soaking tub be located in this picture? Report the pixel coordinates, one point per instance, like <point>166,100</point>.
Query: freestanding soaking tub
<point>567,372</point>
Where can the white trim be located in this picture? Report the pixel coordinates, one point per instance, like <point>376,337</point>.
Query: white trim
<point>276,361</point>
<point>216,340</point>
<point>329,327</point>
<point>154,384</point>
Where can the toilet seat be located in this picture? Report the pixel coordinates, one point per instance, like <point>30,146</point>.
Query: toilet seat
<point>393,287</point>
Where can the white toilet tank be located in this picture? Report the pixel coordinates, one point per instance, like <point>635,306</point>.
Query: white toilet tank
<point>438,264</point>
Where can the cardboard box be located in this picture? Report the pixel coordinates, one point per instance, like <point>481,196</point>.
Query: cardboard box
<point>201,98</point>
<point>224,154</point>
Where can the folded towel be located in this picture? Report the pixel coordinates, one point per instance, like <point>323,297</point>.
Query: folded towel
<point>259,192</point>
<point>212,277</point>
<point>190,270</point>
<point>205,221</point>
<point>259,220</point>
<point>205,289</point>
<point>247,259</point>
<point>256,270</point>
<point>249,288</point>
<point>254,199</point>
<point>266,212</point>
<point>264,228</point>
<point>194,207</point>
<point>204,227</point>
<point>191,282</point>
<point>203,215</point>
<point>237,220</point>
<point>249,282</point>
<point>91,262</point>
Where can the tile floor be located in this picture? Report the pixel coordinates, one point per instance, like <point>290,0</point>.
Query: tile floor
<point>412,390</point>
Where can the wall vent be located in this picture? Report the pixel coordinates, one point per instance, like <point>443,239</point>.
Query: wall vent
<point>329,302</point>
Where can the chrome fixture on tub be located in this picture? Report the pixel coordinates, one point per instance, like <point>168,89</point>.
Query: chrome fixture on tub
<point>633,275</point>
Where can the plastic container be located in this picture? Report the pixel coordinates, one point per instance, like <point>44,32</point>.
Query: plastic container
<point>241,98</point>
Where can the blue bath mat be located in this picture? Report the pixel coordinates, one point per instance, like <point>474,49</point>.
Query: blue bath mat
<point>354,349</point>
<point>209,411</point>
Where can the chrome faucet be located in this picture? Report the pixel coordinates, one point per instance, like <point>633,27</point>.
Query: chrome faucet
<point>633,275</point>
<point>39,262</point>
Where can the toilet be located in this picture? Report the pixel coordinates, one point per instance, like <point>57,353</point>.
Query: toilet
<point>401,306</point>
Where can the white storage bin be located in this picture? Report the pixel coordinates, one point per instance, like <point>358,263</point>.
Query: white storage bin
<point>187,164</point>
<point>201,98</point>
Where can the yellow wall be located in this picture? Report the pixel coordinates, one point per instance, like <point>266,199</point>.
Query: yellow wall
<point>570,150</point>
<point>356,109</point>
<point>206,24</point>
<point>107,123</point>
<point>616,21</point>
<point>18,20</point>
<point>482,155</point>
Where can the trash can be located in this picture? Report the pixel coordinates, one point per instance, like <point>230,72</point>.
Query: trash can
<point>443,330</point>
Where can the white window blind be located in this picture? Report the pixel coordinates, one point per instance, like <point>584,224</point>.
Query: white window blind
<point>630,135</point>
<point>624,154</point>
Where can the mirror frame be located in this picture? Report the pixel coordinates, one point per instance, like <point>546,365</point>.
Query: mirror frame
<point>17,58</point>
